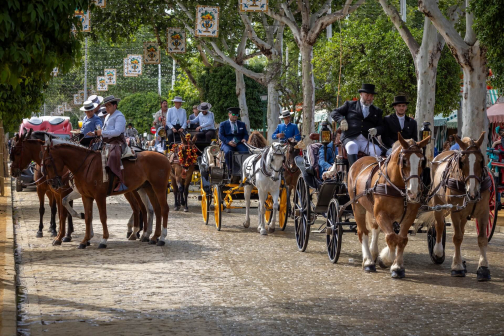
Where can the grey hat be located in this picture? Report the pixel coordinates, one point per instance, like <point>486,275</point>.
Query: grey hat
<point>204,107</point>
<point>96,99</point>
<point>285,113</point>
<point>88,106</point>
<point>111,99</point>
<point>178,99</point>
<point>102,112</point>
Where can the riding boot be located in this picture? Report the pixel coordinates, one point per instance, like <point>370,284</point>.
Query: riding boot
<point>351,160</point>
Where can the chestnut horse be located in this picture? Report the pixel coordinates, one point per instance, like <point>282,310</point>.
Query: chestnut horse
<point>22,154</point>
<point>390,191</point>
<point>291,171</point>
<point>150,170</point>
<point>180,174</point>
<point>461,179</point>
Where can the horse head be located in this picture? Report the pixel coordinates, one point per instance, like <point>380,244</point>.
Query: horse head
<point>257,140</point>
<point>291,152</point>
<point>19,158</point>
<point>275,159</point>
<point>51,168</point>
<point>409,160</point>
<point>471,164</point>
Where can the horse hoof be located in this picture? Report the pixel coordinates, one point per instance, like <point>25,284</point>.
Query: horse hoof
<point>152,242</point>
<point>82,216</point>
<point>398,273</point>
<point>380,263</point>
<point>67,239</point>
<point>246,225</point>
<point>160,243</point>
<point>82,246</point>
<point>186,210</point>
<point>56,242</point>
<point>370,268</point>
<point>54,233</point>
<point>88,243</point>
<point>264,232</point>
<point>465,266</point>
<point>458,273</point>
<point>177,208</point>
<point>437,260</point>
<point>128,234</point>
<point>483,273</point>
<point>144,240</point>
<point>102,246</point>
<point>271,230</point>
<point>40,234</point>
<point>138,234</point>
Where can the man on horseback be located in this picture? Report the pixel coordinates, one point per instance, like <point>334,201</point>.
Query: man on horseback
<point>176,120</point>
<point>357,120</point>
<point>233,135</point>
<point>113,134</point>
<point>399,122</point>
<point>206,122</point>
<point>91,121</point>
<point>286,130</point>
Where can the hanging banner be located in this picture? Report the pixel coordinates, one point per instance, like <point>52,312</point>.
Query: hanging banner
<point>84,18</point>
<point>54,72</point>
<point>110,76</point>
<point>76,100</point>
<point>126,67</point>
<point>135,64</point>
<point>60,109</point>
<point>151,53</point>
<point>81,96</point>
<point>253,5</point>
<point>100,3</point>
<point>207,21</point>
<point>101,83</point>
<point>176,38</point>
<point>67,107</point>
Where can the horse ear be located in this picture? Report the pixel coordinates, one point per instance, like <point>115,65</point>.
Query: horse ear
<point>403,142</point>
<point>28,136</point>
<point>47,140</point>
<point>480,140</point>
<point>424,142</point>
<point>16,137</point>
<point>25,130</point>
<point>462,144</point>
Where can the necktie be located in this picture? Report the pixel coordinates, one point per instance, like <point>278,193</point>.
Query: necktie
<point>234,127</point>
<point>178,121</point>
<point>365,111</point>
<point>401,122</point>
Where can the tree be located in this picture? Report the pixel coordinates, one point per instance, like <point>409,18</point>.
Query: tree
<point>35,38</point>
<point>138,109</point>
<point>471,56</point>
<point>306,32</point>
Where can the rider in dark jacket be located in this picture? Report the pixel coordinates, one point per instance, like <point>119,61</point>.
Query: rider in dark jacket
<point>399,122</point>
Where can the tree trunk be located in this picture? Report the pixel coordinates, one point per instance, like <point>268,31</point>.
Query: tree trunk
<point>308,91</point>
<point>474,119</point>
<point>242,100</point>
<point>273,109</point>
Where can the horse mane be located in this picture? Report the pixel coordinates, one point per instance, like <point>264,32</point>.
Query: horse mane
<point>59,141</point>
<point>257,140</point>
<point>40,135</point>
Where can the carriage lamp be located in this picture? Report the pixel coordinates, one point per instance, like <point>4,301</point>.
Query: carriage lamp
<point>325,133</point>
<point>425,130</point>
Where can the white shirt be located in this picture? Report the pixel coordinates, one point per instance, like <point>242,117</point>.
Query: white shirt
<point>234,126</point>
<point>114,125</point>
<point>176,116</point>
<point>401,120</point>
<point>206,122</point>
<point>365,109</point>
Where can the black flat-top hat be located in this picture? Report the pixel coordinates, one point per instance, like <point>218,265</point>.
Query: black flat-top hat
<point>234,110</point>
<point>368,88</point>
<point>399,100</point>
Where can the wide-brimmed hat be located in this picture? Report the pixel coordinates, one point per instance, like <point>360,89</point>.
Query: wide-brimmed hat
<point>96,99</point>
<point>88,106</point>
<point>234,110</point>
<point>204,107</point>
<point>110,99</point>
<point>102,112</point>
<point>399,100</point>
<point>285,113</point>
<point>178,99</point>
<point>368,88</point>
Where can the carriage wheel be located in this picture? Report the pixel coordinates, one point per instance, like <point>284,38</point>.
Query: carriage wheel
<point>334,232</point>
<point>494,209</point>
<point>283,214</point>
<point>205,204</point>
<point>431,241</point>
<point>302,214</point>
<point>217,206</point>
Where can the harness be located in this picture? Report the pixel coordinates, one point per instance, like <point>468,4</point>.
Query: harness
<point>263,167</point>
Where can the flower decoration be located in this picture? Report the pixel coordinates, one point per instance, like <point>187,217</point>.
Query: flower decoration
<point>207,16</point>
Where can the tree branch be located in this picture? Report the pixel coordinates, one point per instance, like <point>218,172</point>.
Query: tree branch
<point>260,44</point>
<point>323,10</point>
<point>204,58</point>
<point>470,36</point>
<point>287,20</point>
<point>249,56</point>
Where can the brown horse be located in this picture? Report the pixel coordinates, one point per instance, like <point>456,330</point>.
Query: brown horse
<point>181,173</point>
<point>150,171</point>
<point>291,171</point>
<point>25,151</point>
<point>257,140</point>
<point>389,191</point>
<point>461,179</point>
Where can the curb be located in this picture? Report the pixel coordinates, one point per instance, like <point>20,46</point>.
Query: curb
<point>8,310</point>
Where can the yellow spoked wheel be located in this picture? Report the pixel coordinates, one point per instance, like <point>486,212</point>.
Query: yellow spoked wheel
<point>196,177</point>
<point>205,204</point>
<point>217,199</point>
<point>268,214</point>
<point>282,212</point>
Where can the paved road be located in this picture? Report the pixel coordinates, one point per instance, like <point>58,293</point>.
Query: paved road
<point>236,282</point>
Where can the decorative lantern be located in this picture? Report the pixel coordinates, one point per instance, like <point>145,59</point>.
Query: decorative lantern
<point>425,131</point>
<point>325,133</point>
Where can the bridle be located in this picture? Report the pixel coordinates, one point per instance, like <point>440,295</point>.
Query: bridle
<point>269,153</point>
<point>289,165</point>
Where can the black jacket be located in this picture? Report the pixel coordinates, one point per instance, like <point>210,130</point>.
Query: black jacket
<point>392,126</point>
<point>357,124</point>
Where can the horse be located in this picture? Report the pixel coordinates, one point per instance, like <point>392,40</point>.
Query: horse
<point>264,171</point>
<point>149,170</point>
<point>22,154</point>
<point>257,140</point>
<point>390,191</point>
<point>461,179</point>
<point>291,170</point>
<point>182,158</point>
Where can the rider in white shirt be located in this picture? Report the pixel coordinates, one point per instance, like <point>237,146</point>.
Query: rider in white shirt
<point>176,120</point>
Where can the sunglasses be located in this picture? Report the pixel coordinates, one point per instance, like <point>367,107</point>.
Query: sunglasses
<point>235,114</point>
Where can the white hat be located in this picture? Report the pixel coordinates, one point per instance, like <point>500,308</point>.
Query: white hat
<point>88,106</point>
<point>102,112</point>
<point>96,99</point>
<point>178,99</point>
<point>285,113</point>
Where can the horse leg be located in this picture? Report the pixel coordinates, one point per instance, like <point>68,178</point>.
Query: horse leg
<point>375,233</point>
<point>247,190</point>
<point>388,253</point>
<point>130,224</point>
<point>276,206</point>
<point>261,210</point>
<point>101,202</point>
<point>483,272</point>
<point>68,237</point>
<point>186,193</point>
<point>457,267</point>
<point>164,210</point>
<point>136,214</point>
<point>368,262</point>
<point>157,210</point>
<point>175,195</point>
<point>62,214</point>
<point>145,199</point>
<point>397,270</point>
<point>53,205</point>
<point>41,196</point>
<point>88,211</point>
<point>66,202</point>
<point>143,212</point>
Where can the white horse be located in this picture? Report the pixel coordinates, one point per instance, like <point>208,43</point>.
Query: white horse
<point>264,171</point>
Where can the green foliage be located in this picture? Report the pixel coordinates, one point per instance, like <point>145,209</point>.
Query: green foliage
<point>489,25</point>
<point>219,85</point>
<point>138,109</point>
<point>184,88</point>
<point>35,37</point>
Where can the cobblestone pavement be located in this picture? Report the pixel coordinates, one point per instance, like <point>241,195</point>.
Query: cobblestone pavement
<point>236,282</point>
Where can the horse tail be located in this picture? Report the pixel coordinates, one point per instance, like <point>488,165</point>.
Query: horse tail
<point>426,218</point>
